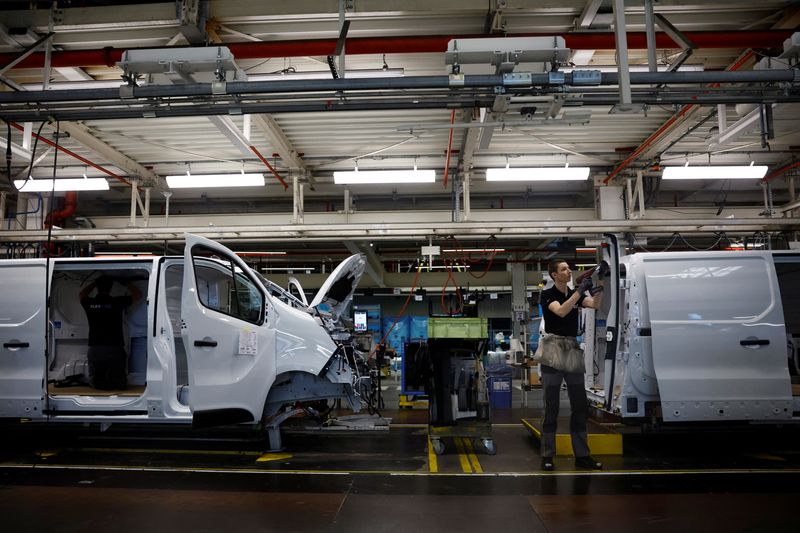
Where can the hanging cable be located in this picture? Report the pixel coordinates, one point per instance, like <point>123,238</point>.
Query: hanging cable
<point>8,153</point>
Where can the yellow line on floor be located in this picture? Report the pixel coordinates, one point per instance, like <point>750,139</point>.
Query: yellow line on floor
<point>273,457</point>
<point>476,465</point>
<point>433,462</point>
<point>462,458</point>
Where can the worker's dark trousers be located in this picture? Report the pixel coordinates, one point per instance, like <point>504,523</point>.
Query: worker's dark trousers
<point>107,367</point>
<point>579,407</point>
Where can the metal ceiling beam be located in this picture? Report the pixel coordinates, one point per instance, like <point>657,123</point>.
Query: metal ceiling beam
<point>588,14</point>
<point>282,145</point>
<point>84,135</point>
<point>407,230</point>
<point>374,266</point>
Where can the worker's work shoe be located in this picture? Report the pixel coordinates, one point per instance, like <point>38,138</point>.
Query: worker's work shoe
<point>547,464</point>
<point>588,463</point>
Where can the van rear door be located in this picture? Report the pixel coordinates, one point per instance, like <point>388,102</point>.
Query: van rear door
<point>226,329</point>
<point>719,341</point>
<point>22,339</point>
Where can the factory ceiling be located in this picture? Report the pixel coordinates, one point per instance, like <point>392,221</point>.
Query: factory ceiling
<point>134,92</point>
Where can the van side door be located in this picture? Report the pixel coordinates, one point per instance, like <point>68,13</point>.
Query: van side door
<point>22,339</point>
<point>719,339</point>
<point>227,333</point>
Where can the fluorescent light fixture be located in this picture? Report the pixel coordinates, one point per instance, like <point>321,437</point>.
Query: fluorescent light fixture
<point>131,254</point>
<point>290,270</point>
<point>360,177</point>
<point>253,254</point>
<point>537,174</point>
<point>495,250</point>
<point>63,184</point>
<point>632,68</point>
<point>326,75</point>
<point>457,268</point>
<point>729,172</point>
<point>204,181</point>
<point>70,85</point>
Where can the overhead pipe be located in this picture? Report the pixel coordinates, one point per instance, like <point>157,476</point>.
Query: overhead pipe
<point>109,56</point>
<point>449,147</point>
<point>780,171</point>
<point>353,104</point>
<point>73,154</point>
<point>270,167</point>
<point>518,81</point>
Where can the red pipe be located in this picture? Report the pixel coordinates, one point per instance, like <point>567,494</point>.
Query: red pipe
<point>449,147</point>
<point>772,39</point>
<point>73,154</point>
<point>781,171</point>
<point>261,157</point>
<point>70,205</point>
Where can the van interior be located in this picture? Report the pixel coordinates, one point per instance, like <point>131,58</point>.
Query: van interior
<point>68,370</point>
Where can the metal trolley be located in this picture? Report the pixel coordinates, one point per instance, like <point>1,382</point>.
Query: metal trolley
<point>456,382</point>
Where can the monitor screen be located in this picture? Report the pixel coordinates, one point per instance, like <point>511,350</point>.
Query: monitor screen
<point>360,320</point>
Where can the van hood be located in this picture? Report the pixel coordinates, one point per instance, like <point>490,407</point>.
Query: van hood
<point>336,293</point>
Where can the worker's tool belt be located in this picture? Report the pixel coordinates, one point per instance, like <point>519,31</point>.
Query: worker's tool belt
<point>561,353</point>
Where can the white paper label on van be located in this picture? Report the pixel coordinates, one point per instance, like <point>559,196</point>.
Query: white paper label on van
<point>248,342</point>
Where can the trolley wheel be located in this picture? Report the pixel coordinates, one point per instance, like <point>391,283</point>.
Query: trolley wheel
<point>438,446</point>
<point>488,446</point>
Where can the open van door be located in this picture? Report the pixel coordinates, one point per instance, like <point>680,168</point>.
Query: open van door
<point>609,320</point>
<point>337,292</point>
<point>22,339</point>
<point>226,326</point>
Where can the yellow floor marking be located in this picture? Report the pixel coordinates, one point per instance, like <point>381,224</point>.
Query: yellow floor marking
<point>45,454</point>
<point>465,466</point>
<point>768,457</point>
<point>433,462</point>
<point>476,465</point>
<point>174,452</point>
<point>273,457</point>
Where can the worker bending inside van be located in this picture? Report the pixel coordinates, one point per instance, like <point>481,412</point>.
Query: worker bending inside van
<point>561,358</point>
<point>107,355</point>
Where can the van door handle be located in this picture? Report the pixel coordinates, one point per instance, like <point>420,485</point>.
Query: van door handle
<point>754,342</point>
<point>205,343</point>
<point>16,345</point>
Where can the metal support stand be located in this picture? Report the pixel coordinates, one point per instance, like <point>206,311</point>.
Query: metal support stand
<point>273,429</point>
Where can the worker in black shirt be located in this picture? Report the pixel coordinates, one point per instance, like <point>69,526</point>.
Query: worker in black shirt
<point>560,313</point>
<point>107,356</point>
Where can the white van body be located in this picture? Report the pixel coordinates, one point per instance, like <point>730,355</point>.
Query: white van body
<point>210,343</point>
<point>696,336</point>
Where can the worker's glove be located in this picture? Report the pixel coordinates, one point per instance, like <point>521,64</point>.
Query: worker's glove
<point>585,285</point>
<point>603,270</point>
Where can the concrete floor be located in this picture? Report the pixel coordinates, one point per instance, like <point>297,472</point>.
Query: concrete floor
<point>172,479</point>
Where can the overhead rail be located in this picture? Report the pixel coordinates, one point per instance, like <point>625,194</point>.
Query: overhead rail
<point>407,230</point>
<point>435,92</point>
<point>515,80</point>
